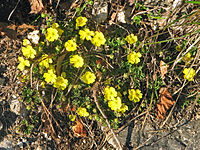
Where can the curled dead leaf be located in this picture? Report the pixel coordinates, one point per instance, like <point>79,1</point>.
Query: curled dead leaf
<point>79,130</point>
<point>166,102</point>
<point>36,6</point>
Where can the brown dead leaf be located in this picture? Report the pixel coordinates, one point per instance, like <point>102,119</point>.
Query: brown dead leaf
<point>112,18</point>
<point>36,6</point>
<point>8,30</point>
<point>163,69</point>
<point>79,130</point>
<point>24,27</point>
<point>166,102</point>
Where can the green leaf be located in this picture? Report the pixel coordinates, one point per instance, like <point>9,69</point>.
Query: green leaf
<point>193,2</point>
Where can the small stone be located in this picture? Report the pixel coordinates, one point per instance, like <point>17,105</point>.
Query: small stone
<point>100,10</point>
<point>1,125</point>
<point>15,107</point>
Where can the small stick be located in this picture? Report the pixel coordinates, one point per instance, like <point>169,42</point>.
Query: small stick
<point>13,10</point>
<point>94,89</point>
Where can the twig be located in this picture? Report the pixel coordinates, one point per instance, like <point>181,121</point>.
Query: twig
<point>94,89</point>
<point>13,10</point>
<point>47,112</point>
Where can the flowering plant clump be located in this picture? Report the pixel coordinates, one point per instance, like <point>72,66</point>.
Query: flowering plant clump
<point>61,56</point>
<point>134,58</point>
<point>189,74</point>
<point>77,61</point>
<point>134,95</point>
<point>88,77</point>
<point>131,39</point>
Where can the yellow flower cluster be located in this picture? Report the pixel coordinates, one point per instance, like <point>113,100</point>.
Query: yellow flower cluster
<point>70,45</point>
<point>98,39</point>
<point>58,82</point>
<point>134,58</point>
<point>134,95</point>
<point>28,52</point>
<point>52,34</point>
<point>88,77</point>
<point>45,61</point>
<point>114,99</point>
<point>56,26</point>
<point>82,112</point>
<point>189,74</point>
<point>81,21</point>
<point>77,61</point>
<point>86,34</point>
<point>131,39</point>
<point>23,63</point>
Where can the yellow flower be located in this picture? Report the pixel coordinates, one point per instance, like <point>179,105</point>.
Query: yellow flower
<point>88,77</point>
<point>115,104</point>
<point>28,52</point>
<point>189,74</point>
<point>72,117</point>
<point>45,61</point>
<point>131,39</point>
<point>50,77</point>
<point>123,108</point>
<point>60,83</point>
<point>81,21</point>
<point>86,34</point>
<point>82,112</point>
<point>77,61</point>
<point>52,34</point>
<point>187,58</point>
<point>98,39</point>
<point>178,48</point>
<point>70,45</point>
<point>56,26</point>
<point>134,58</point>
<point>109,93</point>
<point>26,42</point>
<point>43,84</point>
<point>23,63</point>
<point>134,95</point>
